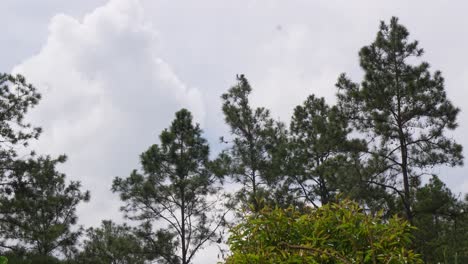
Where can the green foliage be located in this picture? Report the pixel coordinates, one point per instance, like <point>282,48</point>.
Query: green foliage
<point>41,208</point>
<point>442,224</point>
<point>3,260</point>
<point>174,186</point>
<point>403,110</point>
<point>334,233</point>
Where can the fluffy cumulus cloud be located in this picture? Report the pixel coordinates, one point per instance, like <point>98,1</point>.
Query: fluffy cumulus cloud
<point>106,96</point>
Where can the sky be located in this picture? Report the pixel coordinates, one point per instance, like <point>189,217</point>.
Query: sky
<point>113,73</point>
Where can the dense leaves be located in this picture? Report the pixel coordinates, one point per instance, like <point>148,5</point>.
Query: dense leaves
<point>333,233</point>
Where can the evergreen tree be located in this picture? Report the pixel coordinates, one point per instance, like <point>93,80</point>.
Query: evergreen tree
<point>175,186</point>
<point>17,97</point>
<point>38,212</point>
<point>442,224</point>
<point>404,112</point>
<point>37,206</point>
<point>119,244</point>
<point>321,158</point>
<point>253,158</point>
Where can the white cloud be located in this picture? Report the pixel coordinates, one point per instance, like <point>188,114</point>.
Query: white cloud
<point>106,96</point>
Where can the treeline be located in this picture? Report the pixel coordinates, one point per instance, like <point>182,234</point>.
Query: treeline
<point>377,146</point>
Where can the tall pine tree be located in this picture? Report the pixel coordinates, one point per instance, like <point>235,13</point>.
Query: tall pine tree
<point>252,158</point>
<point>176,187</point>
<point>403,110</point>
<point>37,205</point>
<point>17,97</point>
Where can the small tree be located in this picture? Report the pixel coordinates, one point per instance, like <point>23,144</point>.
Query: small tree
<point>39,210</point>
<point>117,244</point>
<point>404,112</point>
<point>334,233</point>
<point>174,187</point>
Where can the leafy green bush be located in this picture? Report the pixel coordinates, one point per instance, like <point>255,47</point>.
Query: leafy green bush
<point>333,233</point>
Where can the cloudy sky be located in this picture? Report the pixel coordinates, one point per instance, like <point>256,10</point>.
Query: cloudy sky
<point>112,73</point>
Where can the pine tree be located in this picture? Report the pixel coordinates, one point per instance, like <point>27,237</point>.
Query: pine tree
<point>37,206</point>
<point>252,159</point>
<point>120,244</point>
<point>441,221</point>
<point>175,186</point>
<point>39,209</point>
<point>322,157</point>
<point>17,97</point>
<point>403,110</point>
